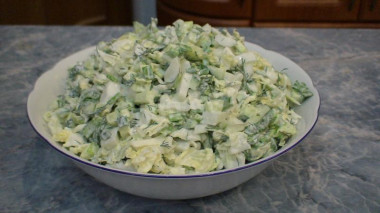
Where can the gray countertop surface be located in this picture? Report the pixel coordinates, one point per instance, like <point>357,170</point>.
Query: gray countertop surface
<point>335,169</point>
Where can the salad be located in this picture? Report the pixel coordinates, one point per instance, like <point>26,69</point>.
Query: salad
<point>180,100</point>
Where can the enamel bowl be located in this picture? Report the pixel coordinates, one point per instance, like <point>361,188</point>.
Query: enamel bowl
<point>52,82</point>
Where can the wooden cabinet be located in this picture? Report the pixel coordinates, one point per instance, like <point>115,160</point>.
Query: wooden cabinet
<point>369,10</point>
<point>215,12</point>
<point>83,12</point>
<point>273,13</point>
<point>22,12</point>
<point>305,10</point>
<point>214,8</point>
<point>238,13</point>
<point>66,12</point>
<point>316,13</point>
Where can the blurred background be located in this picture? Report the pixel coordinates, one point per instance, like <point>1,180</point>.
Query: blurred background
<point>238,13</point>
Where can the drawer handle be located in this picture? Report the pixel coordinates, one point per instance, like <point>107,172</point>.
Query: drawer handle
<point>351,5</point>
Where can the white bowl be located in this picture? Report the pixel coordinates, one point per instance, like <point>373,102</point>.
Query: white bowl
<point>52,82</point>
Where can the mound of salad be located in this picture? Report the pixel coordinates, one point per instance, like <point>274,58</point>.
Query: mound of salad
<point>183,99</point>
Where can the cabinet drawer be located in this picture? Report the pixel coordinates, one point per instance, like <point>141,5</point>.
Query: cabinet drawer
<point>212,8</point>
<point>306,10</point>
<point>167,14</point>
<point>369,10</point>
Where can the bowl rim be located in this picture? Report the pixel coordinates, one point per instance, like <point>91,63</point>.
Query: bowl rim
<point>166,176</point>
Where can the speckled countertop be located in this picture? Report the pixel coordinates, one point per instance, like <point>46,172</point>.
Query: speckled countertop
<point>335,169</point>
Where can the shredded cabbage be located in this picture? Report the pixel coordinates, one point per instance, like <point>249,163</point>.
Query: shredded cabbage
<point>180,100</point>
